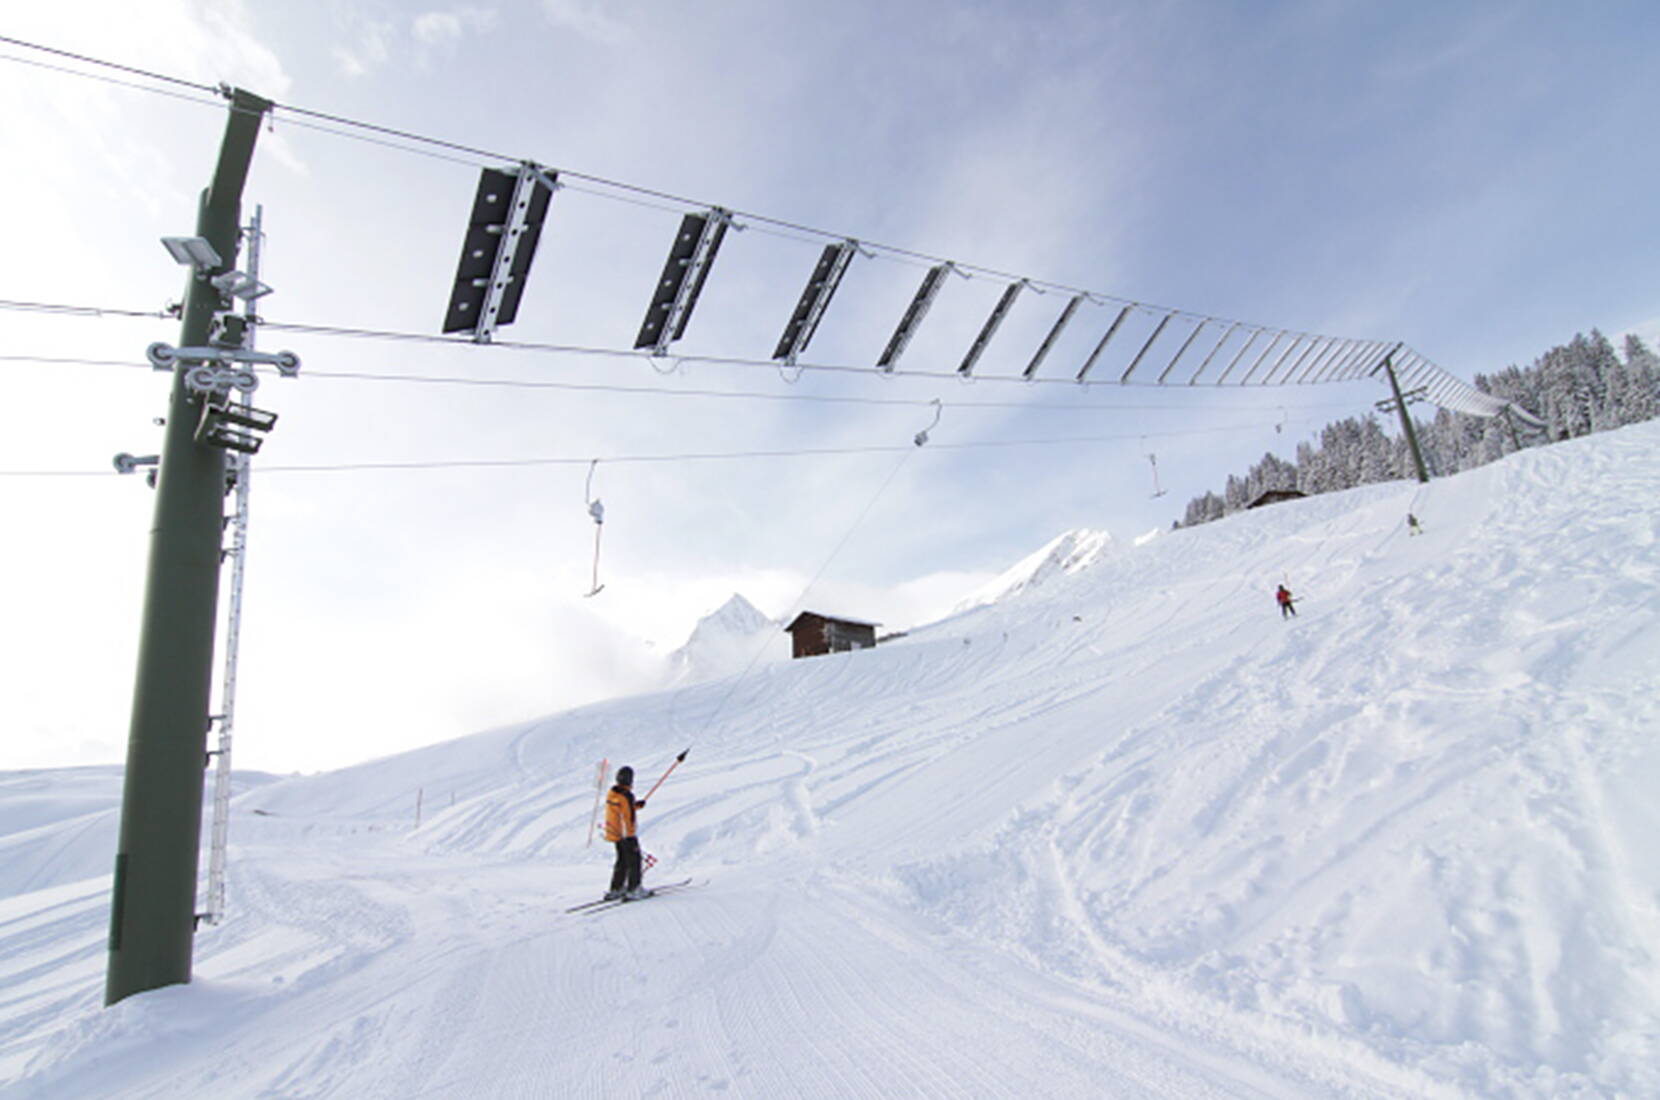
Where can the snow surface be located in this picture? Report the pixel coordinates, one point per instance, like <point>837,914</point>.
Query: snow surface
<point>1065,554</point>
<point>1124,833</point>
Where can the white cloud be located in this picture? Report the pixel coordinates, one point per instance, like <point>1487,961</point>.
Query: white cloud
<point>348,62</point>
<point>369,52</point>
<point>587,19</point>
<point>436,28</point>
<point>1648,331</point>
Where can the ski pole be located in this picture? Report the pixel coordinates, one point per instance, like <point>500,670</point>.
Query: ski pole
<point>665,775</point>
<point>599,791</point>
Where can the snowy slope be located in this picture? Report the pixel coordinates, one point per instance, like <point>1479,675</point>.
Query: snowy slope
<point>60,826</point>
<point>1064,554</point>
<point>1122,833</point>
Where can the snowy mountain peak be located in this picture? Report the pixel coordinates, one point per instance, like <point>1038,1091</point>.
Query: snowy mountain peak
<point>723,642</point>
<point>736,616</point>
<point>1067,553</point>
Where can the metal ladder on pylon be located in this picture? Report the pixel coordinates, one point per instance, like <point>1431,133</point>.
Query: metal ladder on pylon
<point>240,463</point>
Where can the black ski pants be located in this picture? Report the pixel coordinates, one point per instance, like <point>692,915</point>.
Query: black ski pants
<point>626,874</point>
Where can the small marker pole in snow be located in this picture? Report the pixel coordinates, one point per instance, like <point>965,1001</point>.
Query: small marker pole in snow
<point>599,792</point>
<point>666,774</point>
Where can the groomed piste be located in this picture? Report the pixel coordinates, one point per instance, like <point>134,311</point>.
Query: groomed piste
<point>1122,831</point>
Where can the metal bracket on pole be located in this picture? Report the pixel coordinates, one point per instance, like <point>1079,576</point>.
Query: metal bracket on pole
<point>128,463</point>
<point>211,381</point>
<point>219,423</point>
<point>239,285</point>
<point>164,356</point>
<point>1409,397</point>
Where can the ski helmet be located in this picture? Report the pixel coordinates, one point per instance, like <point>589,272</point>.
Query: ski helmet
<point>625,776</point>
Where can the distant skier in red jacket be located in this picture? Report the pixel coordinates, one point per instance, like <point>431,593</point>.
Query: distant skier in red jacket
<point>1287,608</point>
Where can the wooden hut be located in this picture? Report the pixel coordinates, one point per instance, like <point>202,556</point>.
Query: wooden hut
<point>1274,496</point>
<point>812,634</point>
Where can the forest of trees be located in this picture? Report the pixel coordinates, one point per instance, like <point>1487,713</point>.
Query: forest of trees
<point>1576,389</point>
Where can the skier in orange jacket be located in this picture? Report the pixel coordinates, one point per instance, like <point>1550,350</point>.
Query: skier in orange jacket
<point>620,805</point>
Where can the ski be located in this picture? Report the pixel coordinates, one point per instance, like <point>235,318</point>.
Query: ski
<point>602,903</point>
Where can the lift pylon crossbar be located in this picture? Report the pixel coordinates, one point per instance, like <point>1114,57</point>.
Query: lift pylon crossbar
<point>503,229</point>
<point>1357,367</point>
<point>921,302</point>
<point>1181,351</point>
<point>1158,330</point>
<point>1239,355</point>
<point>1102,346</point>
<point>1327,353</point>
<point>684,273</point>
<point>1334,367</point>
<point>1231,329</point>
<point>1314,342</point>
<point>1067,311</point>
<point>1379,363</point>
<point>1266,352</point>
<point>1289,348</point>
<point>815,299</point>
<point>1339,369</point>
<point>989,329</point>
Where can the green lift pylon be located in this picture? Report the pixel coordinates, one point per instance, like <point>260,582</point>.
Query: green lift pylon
<point>1399,405</point>
<point>153,903</point>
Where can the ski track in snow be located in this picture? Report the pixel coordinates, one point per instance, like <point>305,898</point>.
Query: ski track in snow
<point>1122,832</point>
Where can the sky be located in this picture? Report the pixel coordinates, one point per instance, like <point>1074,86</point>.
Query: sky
<point>1472,180</point>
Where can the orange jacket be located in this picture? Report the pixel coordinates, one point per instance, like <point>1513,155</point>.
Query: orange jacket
<point>619,814</point>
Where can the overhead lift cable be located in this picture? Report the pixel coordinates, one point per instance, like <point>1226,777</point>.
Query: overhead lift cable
<point>666,391</point>
<point>1451,392</point>
<point>709,360</point>
<point>487,157</point>
<point>395,336</point>
<point>695,456</point>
